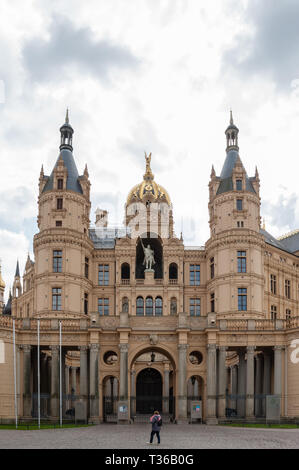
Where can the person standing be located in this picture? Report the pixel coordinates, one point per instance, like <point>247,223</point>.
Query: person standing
<point>156,421</point>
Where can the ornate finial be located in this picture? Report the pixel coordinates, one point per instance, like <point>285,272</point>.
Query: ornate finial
<point>264,224</point>
<point>67,116</point>
<point>231,118</point>
<point>213,173</point>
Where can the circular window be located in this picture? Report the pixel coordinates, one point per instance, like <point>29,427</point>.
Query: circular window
<point>110,358</point>
<point>195,358</point>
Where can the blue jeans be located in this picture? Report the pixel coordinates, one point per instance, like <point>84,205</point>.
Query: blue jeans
<point>152,436</point>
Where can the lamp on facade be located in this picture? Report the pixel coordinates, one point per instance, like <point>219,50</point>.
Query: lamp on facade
<point>153,357</point>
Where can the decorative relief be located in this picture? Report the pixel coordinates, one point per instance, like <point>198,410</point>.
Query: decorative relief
<point>153,339</point>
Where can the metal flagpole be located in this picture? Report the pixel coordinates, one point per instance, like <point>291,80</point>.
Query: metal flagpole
<point>38,374</point>
<point>60,376</point>
<point>15,371</point>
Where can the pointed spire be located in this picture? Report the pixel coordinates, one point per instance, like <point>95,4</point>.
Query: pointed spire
<point>232,135</point>
<point>17,270</point>
<point>86,171</point>
<point>66,131</point>
<point>213,173</point>
<point>231,122</point>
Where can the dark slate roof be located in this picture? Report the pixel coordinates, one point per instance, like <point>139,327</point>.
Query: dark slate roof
<point>291,243</point>
<point>273,241</point>
<point>226,182</point>
<point>104,238</point>
<point>7,308</point>
<point>72,182</point>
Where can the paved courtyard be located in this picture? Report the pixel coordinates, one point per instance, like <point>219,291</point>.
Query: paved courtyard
<point>109,436</point>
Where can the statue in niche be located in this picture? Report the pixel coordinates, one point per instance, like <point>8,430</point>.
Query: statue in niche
<point>173,307</point>
<point>149,259</point>
<point>125,305</point>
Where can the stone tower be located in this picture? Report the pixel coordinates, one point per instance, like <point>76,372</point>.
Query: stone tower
<point>234,250</point>
<point>62,247</point>
<point>2,290</point>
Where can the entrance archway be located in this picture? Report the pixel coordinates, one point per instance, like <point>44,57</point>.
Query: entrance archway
<point>148,391</point>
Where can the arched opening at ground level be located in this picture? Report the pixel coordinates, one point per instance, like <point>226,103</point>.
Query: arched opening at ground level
<point>110,388</point>
<point>148,391</point>
<point>152,384</point>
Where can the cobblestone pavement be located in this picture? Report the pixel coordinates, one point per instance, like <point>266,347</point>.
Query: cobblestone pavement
<point>109,436</point>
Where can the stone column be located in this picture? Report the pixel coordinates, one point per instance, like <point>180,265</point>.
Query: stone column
<point>234,387</point>
<point>27,402</point>
<point>123,377</point>
<point>258,385</point>
<point>250,382</point>
<point>54,382</point>
<point>182,383</point>
<point>211,384</point>
<point>278,370</point>
<point>94,381</point>
<point>67,385</point>
<point>83,377</point>
<point>74,379</point>
<point>166,389</point>
<point>241,385</point>
<point>133,392</point>
<point>221,381</point>
<point>266,379</point>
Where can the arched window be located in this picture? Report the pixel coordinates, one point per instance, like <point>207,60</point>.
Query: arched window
<point>125,271</point>
<point>149,306</point>
<point>140,306</point>
<point>173,271</point>
<point>158,306</point>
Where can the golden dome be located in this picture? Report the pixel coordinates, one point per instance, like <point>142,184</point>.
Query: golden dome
<point>148,189</point>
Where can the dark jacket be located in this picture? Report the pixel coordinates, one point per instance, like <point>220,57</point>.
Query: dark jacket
<point>154,421</point>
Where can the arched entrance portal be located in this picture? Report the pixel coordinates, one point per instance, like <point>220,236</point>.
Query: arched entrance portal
<point>148,391</point>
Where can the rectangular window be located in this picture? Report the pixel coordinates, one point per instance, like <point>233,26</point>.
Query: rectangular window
<point>273,284</point>
<point>194,274</point>
<point>212,268</point>
<point>287,289</point>
<point>241,261</point>
<point>59,202</point>
<point>56,298</point>
<point>273,312</point>
<point>242,298</point>
<point>103,274</point>
<point>212,299</point>
<point>60,183</point>
<point>103,306</point>
<point>288,314</point>
<point>239,185</point>
<point>58,223</point>
<point>86,267</point>
<point>239,204</point>
<point>57,261</point>
<point>86,303</point>
<point>195,307</point>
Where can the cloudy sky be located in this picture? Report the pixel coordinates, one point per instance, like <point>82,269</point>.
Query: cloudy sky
<point>147,75</point>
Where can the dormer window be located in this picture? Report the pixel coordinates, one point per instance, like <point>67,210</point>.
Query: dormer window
<point>239,185</point>
<point>59,183</point>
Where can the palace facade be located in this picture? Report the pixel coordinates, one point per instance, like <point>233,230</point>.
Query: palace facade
<point>145,319</point>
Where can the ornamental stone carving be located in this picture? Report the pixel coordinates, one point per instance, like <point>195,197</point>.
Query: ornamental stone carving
<point>153,339</point>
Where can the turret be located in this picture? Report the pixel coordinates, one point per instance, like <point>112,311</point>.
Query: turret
<point>64,196</point>
<point>17,287</point>
<point>234,197</point>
